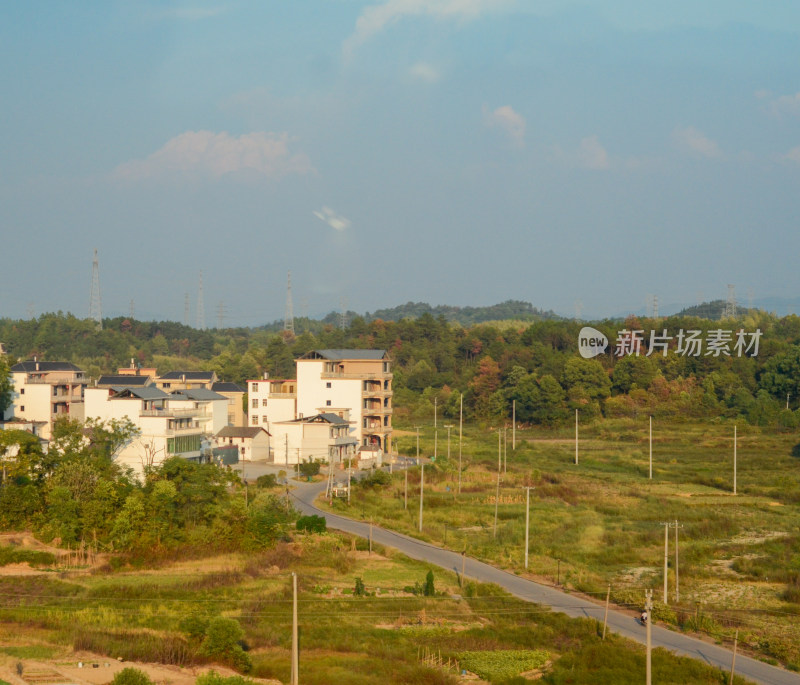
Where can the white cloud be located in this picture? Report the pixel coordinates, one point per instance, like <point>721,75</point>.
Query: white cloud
<point>205,153</point>
<point>424,72</point>
<point>693,140</point>
<point>375,18</point>
<point>331,218</point>
<point>590,154</point>
<point>785,105</point>
<point>793,155</point>
<point>510,121</point>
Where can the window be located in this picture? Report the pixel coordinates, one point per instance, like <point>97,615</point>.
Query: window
<point>264,403</point>
<point>327,403</point>
<point>166,385</point>
<point>255,404</point>
<point>254,420</point>
<point>255,387</point>
<point>327,385</point>
<point>22,391</point>
<point>22,408</point>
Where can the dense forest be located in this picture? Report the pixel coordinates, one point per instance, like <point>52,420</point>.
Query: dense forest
<point>537,364</point>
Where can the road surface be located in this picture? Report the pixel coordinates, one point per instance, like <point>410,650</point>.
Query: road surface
<point>576,607</point>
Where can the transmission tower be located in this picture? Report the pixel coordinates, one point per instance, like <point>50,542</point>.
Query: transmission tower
<point>343,313</point>
<point>730,303</point>
<point>95,303</point>
<point>220,315</point>
<point>655,306</point>
<point>201,311</point>
<point>133,311</point>
<point>186,309</point>
<point>288,317</point>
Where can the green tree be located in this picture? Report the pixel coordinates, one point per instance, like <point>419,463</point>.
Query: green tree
<point>6,384</point>
<point>430,590</point>
<point>587,377</point>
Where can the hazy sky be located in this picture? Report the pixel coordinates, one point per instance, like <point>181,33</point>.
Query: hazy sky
<point>450,151</point>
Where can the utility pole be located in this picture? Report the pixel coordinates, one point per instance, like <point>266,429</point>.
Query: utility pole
<point>648,607</point>
<point>666,557</point>
<point>651,448</point>
<point>527,521</point>
<point>513,425</point>
<point>734,458</point>
<point>435,430</point>
<point>505,450</point>
<point>499,468</point>
<point>576,437</point>
<point>405,491</point>
<point>349,463</point>
<point>448,427</point>
<point>286,448</point>
<point>421,492</point>
<point>605,616</point>
<point>733,660</point>
<point>677,589</point>
<point>460,437</point>
<point>295,679</point>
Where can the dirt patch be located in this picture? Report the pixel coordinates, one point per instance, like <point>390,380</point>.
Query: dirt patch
<point>635,573</point>
<point>23,569</point>
<point>99,670</point>
<point>757,537</point>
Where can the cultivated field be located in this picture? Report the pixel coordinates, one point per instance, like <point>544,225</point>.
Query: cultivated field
<point>601,522</point>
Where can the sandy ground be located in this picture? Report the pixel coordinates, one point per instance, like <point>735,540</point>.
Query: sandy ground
<point>66,671</point>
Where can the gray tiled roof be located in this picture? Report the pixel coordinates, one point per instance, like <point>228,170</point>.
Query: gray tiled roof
<point>148,392</point>
<point>345,354</point>
<point>200,394</point>
<point>240,432</point>
<point>31,366</point>
<point>123,380</point>
<point>188,375</point>
<point>222,386</point>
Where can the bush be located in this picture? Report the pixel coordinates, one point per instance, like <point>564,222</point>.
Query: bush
<point>309,468</point>
<point>430,590</point>
<point>224,640</point>
<point>131,676</point>
<point>312,524</point>
<point>359,590</point>
<point>214,678</point>
<point>376,479</point>
<point>268,480</point>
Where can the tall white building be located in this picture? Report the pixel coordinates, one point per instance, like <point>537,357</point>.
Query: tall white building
<point>353,385</point>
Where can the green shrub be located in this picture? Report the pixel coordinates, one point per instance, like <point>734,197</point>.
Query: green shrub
<point>430,590</point>
<point>214,678</point>
<point>224,640</point>
<point>359,590</point>
<point>131,676</point>
<point>309,468</point>
<point>502,664</point>
<point>268,480</point>
<point>312,524</point>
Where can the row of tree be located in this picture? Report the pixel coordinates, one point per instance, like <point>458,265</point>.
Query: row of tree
<point>76,494</point>
<point>492,365</point>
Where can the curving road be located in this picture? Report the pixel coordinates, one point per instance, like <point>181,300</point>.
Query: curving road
<point>621,623</point>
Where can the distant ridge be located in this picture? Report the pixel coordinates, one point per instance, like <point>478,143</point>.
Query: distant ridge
<point>466,316</point>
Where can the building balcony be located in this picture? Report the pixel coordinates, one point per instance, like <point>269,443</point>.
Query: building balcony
<point>282,396</point>
<point>358,376</point>
<point>55,380</point>
<point>60,399</point>
<point>175,413</point>
<point>189,430</point>
<point>377,429</point>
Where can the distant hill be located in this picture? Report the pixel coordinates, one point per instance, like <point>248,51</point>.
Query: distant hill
<point>466,316</point>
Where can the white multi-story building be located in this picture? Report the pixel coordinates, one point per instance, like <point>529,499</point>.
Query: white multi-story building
<point>358,380</point>
<point>177,424</point>
<point>322,437</point>
<point>354,386</point>
<point>46,391</point>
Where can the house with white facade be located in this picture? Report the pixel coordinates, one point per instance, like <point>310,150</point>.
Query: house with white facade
<point>322,437</point>
<point>182,423</point>
<point>252,442</point>
<point>45,391</point>
<point>360,380</point>
<point>271,400</point>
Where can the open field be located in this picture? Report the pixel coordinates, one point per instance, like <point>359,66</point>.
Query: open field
<point>391,634</point>
<point>600,523</point>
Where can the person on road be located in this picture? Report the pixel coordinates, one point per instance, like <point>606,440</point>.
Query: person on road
<point>644,617</point>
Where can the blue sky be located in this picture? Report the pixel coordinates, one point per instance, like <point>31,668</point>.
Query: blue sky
<point>450,151</point>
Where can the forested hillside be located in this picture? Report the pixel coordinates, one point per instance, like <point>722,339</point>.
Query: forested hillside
<point>536,364</point>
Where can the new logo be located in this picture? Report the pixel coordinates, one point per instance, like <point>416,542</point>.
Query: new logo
<point>591,342</point>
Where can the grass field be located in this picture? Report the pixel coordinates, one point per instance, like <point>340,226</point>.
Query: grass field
<point>388,635</point>
<point>601,522</point>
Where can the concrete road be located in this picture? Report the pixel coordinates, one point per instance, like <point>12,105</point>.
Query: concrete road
<point>619,622</point>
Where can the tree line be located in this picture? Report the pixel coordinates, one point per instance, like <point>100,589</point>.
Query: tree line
<point>534,364</point>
